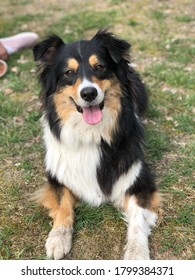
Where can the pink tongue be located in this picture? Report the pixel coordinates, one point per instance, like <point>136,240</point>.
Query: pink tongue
<point>92,115</point>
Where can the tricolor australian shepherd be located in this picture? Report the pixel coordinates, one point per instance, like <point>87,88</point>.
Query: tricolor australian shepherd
<point>92,102</point>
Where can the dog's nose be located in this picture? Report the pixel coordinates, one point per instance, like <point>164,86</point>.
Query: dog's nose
<point>89,94</point>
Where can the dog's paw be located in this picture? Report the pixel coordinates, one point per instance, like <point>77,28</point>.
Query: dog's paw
<point>59,242</point>
<point>134,251</point>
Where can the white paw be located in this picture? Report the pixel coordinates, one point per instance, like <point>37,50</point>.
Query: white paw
<point>134,251</point>
<point>59,242</point>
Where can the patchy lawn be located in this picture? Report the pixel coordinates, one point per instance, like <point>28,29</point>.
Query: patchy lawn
<point>163,51</point>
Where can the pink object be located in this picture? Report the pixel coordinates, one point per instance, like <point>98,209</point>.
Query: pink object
<point>92,115</point>
<point>3,68</point>
<point>19,41</point>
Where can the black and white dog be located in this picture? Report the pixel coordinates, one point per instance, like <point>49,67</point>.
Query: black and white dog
<point>92,101</point>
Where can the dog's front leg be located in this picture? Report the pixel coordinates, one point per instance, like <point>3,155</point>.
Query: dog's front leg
<point>139,220</point>
<point>61,210</point>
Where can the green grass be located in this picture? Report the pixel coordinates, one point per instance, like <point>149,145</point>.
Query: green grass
<point>158,15</point>
<point>185,123</point>
<point>90,217</point>
<point>185,18</point>
<point>133,23</point>
<point>14,23</point>
<point>174,76</point>
<point>88,20</point>
<point>181,51</point>
<point>5,242</point>
<point>163,50</point>
<point>157,144</point>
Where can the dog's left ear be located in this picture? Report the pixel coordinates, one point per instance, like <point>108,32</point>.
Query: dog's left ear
<point>117,48</point>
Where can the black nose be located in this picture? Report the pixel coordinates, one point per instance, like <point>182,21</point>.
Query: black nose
<point>89,93</point>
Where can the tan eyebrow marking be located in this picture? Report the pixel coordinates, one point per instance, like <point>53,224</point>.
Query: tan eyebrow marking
<point>93,60</point>
<point>72,64</point>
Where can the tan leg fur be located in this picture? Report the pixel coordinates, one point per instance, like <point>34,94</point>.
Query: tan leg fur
<point>61,210</point>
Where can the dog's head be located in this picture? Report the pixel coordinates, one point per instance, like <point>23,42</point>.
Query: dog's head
<point>82,77</point>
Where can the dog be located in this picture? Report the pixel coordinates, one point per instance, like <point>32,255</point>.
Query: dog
<point>92,101</point>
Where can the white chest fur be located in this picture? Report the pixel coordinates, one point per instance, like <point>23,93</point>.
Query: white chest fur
<point>76,168</point>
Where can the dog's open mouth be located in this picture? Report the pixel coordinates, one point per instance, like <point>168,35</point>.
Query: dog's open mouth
<point>91,114</point>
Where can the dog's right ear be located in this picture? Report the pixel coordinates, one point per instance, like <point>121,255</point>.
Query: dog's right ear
<point>45,51</point>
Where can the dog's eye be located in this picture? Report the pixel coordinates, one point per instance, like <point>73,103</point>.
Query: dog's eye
<point>100,67</point>
<point>69,72</point>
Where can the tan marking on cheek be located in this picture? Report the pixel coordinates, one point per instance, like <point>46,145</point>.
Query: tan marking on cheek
<point>93,60</point>
<point>113,95</point>
<point>63,104</point>
<point>112,92</point>
<point>104,85</point>
<point>72,64</point>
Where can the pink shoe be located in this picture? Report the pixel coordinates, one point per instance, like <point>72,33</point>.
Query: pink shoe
<point>3,68</point>
<point>19,41</point>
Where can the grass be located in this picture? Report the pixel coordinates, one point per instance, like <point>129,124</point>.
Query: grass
<point>164,56</point>
<point>89,217</point>
<point>185,18</point>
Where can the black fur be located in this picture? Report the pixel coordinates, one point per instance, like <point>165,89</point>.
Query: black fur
<point>53,181</point>
<point>125,149</point>
<point>144,187</point>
